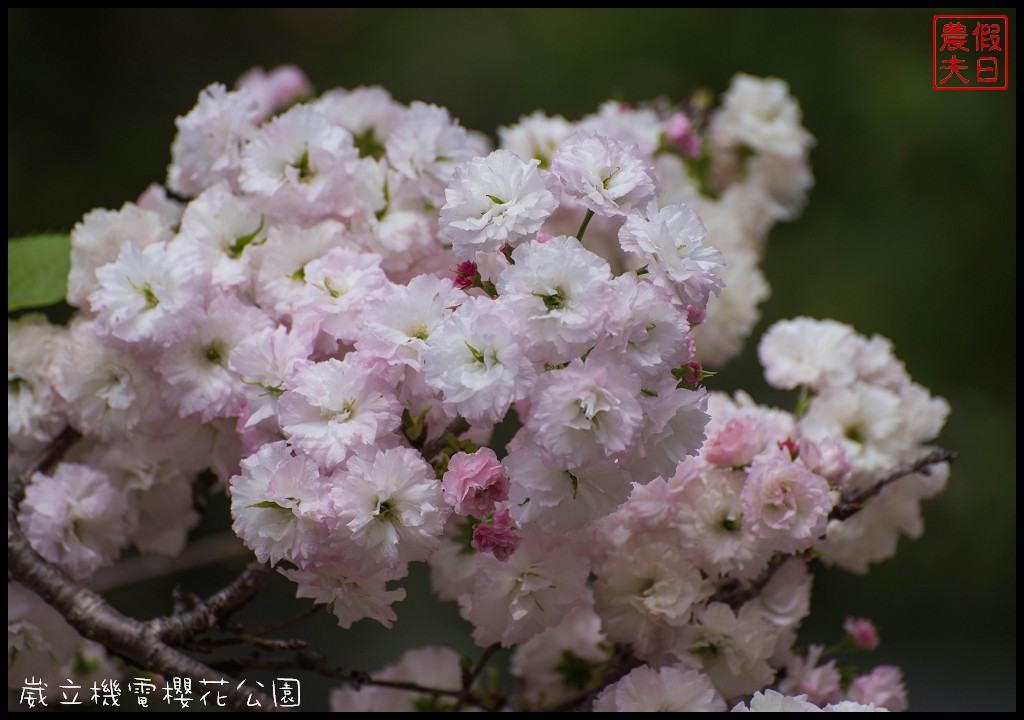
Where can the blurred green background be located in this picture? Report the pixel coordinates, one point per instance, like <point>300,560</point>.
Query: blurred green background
<point>910,231</point>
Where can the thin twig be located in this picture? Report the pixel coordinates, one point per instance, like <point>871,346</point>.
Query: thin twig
<point>209,613</point>
<point>212,644</point>
<point>851,504</point>
<point>469,678</point>
<point>95,619</point>
<point>269,628</point>
<point>91,615</point>
<point>736,593</point>
<point>315,662</point>
<point>142,568</point>
<point>43,462</point>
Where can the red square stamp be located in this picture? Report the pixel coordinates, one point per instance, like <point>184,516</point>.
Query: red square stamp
<point>970,52</point>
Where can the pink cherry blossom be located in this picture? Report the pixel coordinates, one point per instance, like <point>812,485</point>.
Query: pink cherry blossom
<point>475,482</point>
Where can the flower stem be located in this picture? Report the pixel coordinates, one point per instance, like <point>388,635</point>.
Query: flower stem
<point>583,227</point>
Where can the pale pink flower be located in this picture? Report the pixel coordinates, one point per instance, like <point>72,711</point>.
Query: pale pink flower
<point>539,584</point>
<point>208,146</point>
<point>804,351</point>
<point>476,360</point>
<point>278,504</point>
<point>545,493</point>
<point>773,701</point>
<point>276,89</point>
<point>151,295</point>
<point>630,125</point>
<point>97,239</point>
<point>826,458</point>
<point>392,505</point>
<point>883,687</point>
<point>196,368</point>
<point>496,200</point>
<point>369,113</point>
<point>427,146</point>
<point>535,136</point>
<point>608,177</point>
<point>806,676</point>
<point>737,442</point>
<point>674,688</point>
<point>784,503</point>
<point>334,407</point>
<point>646,328</point>
<point>586,410</point>
<point>397,325</point>
<point>559,291</point>
<point>671,243</point>
<point>350,597</point>
<point>299,166</point>
<point>75,518</point>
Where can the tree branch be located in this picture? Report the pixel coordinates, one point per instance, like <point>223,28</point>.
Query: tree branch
<point>851,504</point>
<point>49,457</point>
<point>468,678</point>
<point>268,628</point>
<point>736,593</point>
<point>96,620</point>
<point>313,661</point>
<point>456,427</point>
<point>208,614</point>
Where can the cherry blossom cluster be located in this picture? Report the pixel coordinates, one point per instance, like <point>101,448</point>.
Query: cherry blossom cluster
<point>335,302</point>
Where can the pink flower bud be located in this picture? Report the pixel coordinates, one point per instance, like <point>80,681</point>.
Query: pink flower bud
<point>465,274</point>
<point>694,375</point>
<point>791,446</point>
<point>474,483</point>
<point>863,632</point>
<point>497,536</point>
<point>695,316</point>
<point>680,133</point>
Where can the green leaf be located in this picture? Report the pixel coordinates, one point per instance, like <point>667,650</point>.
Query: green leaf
<point>37,271</point>
<point>240,243</point>
<point>267,505</point>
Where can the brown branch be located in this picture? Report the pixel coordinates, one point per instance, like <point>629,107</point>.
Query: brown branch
<point>851,504</point>
<point>456,427</point>
<point>736,593</point>
<point>46,459</point>
<point>469,678</point>
<point>210,613</point>
<point>244,638</point>
<point>314,662</point>
<point>269,628</point>
<point>94,619</point>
